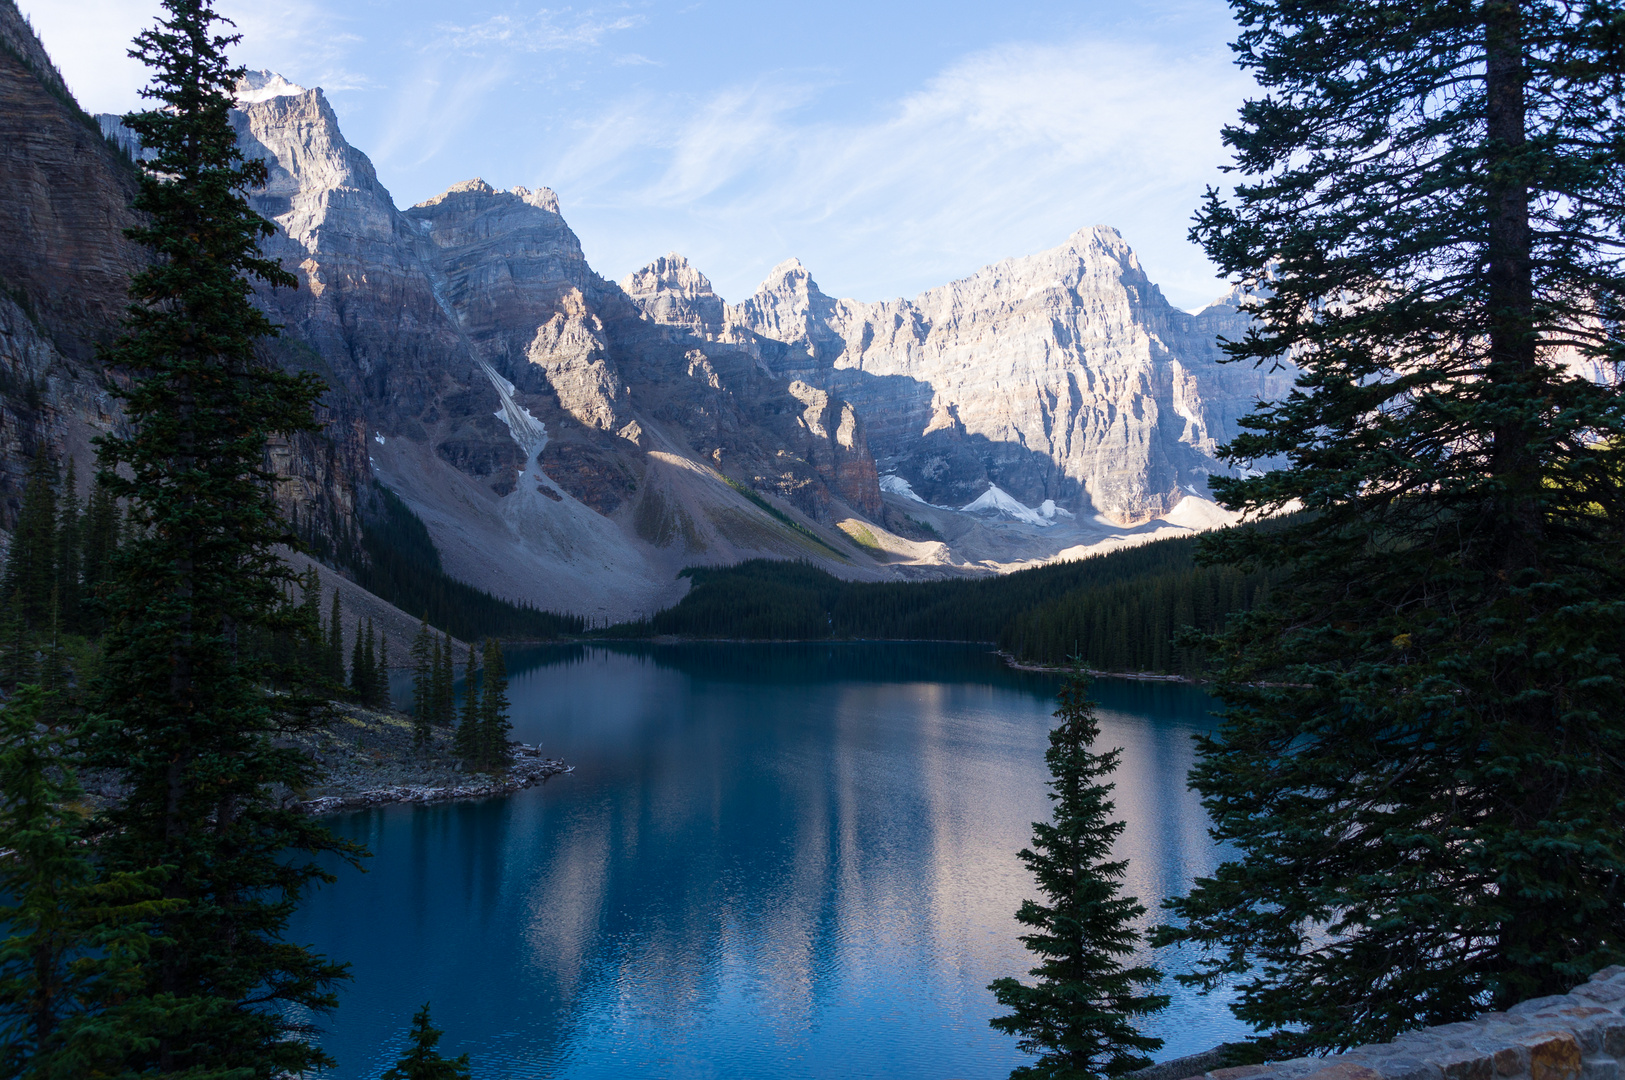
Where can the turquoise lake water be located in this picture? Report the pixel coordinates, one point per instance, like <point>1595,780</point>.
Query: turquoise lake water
<point>786,861</point>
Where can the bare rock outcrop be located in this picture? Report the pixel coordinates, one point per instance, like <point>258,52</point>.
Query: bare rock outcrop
<point>1063,375</point>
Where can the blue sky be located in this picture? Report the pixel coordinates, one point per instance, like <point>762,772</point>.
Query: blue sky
<point>890,146</point>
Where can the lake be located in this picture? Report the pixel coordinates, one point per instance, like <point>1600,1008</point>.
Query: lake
<point>788,861</point>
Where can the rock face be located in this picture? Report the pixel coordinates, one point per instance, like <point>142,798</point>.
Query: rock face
<point>572,442</point>
<point>1061,376</point>
<point>524,406</point>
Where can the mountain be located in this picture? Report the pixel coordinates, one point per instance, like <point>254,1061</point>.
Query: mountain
<point>573,442</point>
<point>1062,376</point>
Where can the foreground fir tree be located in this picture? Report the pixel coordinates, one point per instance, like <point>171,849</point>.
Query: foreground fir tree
<point>184,711</point>
<point>71,967</point>
<point>30,576</point>
<point>1078,1014</point>
<point>1422,762</point>
<point>422,1061</point>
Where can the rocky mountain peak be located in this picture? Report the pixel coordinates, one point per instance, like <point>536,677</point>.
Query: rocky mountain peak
<point>542,198</point>
<point>788,276</point>
<point>263,85</point>
<point>672,291</point>
<point>320,186</point>
<point>670,273</point>
<point>17,35</point>
<point>475,186</point>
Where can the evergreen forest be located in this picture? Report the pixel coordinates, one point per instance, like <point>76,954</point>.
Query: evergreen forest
<point>1122,611</point>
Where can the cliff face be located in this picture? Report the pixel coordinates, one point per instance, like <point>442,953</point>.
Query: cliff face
<point>1060,376</point>
<point>564,449</point>
<point>65,265</point>
<point>573,442</point>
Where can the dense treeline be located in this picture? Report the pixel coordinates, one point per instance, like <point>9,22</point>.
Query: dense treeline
<point>1120,611</point>
<point>402,566</point>
<point>1135,625</point>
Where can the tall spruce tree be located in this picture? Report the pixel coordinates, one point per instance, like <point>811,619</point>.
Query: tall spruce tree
<point>184,712</point>
<point>69,538</point>
<point>71,965</point>
<point>335,641</point>
<point>308,638</point>
<point>99,542</point>
<point>1078,1014</point>
<point>422,686</point>
<point>444,681</point>
<point>466,742</point>
<point>363,668</point>
<point>422,1061</point>
<point>31,566</point>
<point>381,687</point>
<point>1422,760</point>
<point>495,752</point>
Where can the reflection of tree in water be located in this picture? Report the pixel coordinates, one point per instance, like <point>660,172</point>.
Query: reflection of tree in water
<point>742,867</point>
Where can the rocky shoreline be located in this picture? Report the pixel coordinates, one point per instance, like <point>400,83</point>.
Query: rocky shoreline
<point>366,758</point>
<point>1062,669</point>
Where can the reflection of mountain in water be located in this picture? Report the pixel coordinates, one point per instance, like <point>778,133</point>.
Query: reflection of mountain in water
<point>794,861</point>
<point>865,661</point>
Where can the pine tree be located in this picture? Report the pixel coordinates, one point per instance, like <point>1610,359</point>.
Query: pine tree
<point>466,743</point>
<point>182,710</point>
<point>99,544</point>
<point>422,686</point>
<point>30,574</point>
<point>362,675</point>
<point>1421,759</point>
<point>76,940</point>
<point>445,681</point>
<point>309,643</point>
<point>1078,1014</point>
<point>68,541</point>
<point>17,648</point>
<point>421,1060</point>
<point>335,641</point>
<point>381,690</point>
<point>494,751</point>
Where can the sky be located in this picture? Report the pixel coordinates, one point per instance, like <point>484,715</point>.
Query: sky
<point>890,146</point>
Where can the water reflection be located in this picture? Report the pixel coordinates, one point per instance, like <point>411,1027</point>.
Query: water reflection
<point>796,861</point>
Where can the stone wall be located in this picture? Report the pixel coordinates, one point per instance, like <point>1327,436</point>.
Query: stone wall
<point>1575,1036</point>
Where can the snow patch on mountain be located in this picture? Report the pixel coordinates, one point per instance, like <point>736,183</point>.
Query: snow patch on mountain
<point>995,500</point>
<point>896,485</point>
<point>256,86</point>
<point>1200,515</point>
<point>529,432</point>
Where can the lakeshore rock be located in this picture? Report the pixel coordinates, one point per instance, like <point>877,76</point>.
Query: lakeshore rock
<point>368,758</point>
<point>1575,1036</point>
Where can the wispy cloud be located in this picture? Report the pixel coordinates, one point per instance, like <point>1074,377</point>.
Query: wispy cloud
<point>429,106</point>
<point>309,41</point>
<point>1004,152</point>
<point>543,31</point>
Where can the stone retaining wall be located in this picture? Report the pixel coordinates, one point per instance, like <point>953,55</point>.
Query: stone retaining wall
<point>1575,1036</point>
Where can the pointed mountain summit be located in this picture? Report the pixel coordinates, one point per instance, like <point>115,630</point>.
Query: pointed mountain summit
<point>672,291</point>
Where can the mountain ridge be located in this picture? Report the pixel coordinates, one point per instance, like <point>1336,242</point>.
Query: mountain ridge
<point>573,442</point>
